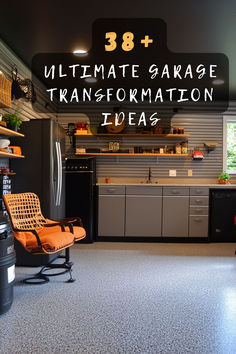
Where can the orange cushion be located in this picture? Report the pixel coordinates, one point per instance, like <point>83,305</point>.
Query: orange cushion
<point>51,242</point>
<point>20,236</point>
<point>79,232</point>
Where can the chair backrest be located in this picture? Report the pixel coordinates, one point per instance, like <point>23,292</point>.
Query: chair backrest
<point>24,210</point>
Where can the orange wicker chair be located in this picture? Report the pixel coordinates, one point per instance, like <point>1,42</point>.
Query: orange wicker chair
<point>41,236</point>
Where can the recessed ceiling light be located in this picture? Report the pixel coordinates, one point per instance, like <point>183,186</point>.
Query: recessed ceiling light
<point>91,79</point>
<point>218,82</point>
<point>80,52</point>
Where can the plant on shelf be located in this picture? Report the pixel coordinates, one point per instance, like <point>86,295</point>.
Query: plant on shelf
<point>13,120</point>
<point>224,178</point>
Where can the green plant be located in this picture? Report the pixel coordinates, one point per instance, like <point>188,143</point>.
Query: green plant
<point>224,176</point>
<point>12,119</point>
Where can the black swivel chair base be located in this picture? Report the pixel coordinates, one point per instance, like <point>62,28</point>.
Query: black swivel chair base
<point>42,276</point>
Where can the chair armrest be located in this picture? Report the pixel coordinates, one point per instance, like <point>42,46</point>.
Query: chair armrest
<point>67,221</point>
<point>34,232</point>
<point>72,220</point>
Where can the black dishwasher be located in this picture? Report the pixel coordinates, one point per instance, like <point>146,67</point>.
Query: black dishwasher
<point>223,215</point>
<point>81,193</point>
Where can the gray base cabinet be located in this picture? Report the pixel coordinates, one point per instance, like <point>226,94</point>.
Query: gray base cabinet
<point>143,215</point>
<point>153,211</point>
<point>111,216</point>
<point>175,216</point>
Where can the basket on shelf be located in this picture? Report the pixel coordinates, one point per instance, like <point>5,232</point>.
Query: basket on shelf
<point>5,92</point>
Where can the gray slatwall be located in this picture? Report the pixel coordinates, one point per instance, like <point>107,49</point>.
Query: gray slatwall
<point>200,128</point>
<point>7,60</point>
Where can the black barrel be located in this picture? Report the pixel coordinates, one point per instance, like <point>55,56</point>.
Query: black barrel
<point>7,265</point>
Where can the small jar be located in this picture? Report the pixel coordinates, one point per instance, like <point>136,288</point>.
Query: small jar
<point>184,148</point>
<point>178,148</point>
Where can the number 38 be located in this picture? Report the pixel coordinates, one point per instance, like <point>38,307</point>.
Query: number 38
<point>127,43</point>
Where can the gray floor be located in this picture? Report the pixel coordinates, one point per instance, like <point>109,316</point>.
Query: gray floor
<point>129,298</point>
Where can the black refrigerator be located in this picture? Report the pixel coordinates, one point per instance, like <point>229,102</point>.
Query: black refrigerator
<point>41,172</point>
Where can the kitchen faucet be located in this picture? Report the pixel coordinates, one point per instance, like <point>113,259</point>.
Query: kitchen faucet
<point>149,175</point>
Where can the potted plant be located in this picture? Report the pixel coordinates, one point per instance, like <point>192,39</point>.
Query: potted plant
<point>13,120</point>
<point>224,178</point>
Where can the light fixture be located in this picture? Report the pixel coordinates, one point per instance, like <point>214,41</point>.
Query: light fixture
<point>80,52</point>
<point>218,82</point>
<point>90,79</point>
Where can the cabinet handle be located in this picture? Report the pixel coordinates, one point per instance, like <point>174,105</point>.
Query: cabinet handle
<point>198,209</point>
<point>199,201</point>
<point>175,191</point>
<point>198,191</point>
<point>111,190</point>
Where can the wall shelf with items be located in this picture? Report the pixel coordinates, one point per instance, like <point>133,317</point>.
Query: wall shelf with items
<point>166,136</point>
<point>120,137</point>
<point>130,154</point>
<point>8,155</point>
<point>9,132</point>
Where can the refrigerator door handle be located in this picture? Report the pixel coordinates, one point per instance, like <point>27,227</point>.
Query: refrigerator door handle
<point>59,173</point>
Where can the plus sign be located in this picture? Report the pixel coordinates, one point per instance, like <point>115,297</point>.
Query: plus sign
<point>146,41</point>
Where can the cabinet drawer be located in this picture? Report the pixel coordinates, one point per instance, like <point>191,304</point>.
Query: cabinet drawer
<point>175,191</point>
<point>198,226</point>
<point>201,210</point>
<point>203,201</point>
<point>112,189</point>
<point>144,190</point>
<point>199,191</point>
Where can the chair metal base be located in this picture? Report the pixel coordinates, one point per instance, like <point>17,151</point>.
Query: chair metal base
<point>42,276</point>
<point>66,266</point>
<point>36,280</point>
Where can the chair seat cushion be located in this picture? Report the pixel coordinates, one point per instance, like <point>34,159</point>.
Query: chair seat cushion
<point>51,242</point>
<point>79,232</point>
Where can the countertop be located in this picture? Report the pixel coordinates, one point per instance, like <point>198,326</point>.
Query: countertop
<point>165,182</point>
<point>169,185</point>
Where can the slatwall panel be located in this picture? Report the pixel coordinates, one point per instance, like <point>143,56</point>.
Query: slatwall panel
<point>7,61</point>
<point>200,128</point>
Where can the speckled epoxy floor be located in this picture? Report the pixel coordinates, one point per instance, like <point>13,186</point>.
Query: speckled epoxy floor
<point>129,298</point>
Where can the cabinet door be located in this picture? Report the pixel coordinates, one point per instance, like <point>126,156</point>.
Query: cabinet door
<point>143,215</point>
<point>175,216</point>
<point>111,215</point>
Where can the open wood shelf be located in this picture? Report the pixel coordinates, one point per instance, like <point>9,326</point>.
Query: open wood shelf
<point>127,154</point>
<point>167,136</point>
<point>10,155</point>
<point>7,174</point>
<point>9,132</point>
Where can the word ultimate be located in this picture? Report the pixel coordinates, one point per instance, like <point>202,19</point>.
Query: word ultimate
<point>132,119</point>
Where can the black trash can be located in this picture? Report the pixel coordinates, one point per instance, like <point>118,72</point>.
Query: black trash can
<point>7,265</point>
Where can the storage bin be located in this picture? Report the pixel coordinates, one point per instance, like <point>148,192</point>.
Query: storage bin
<point>7,265</point>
